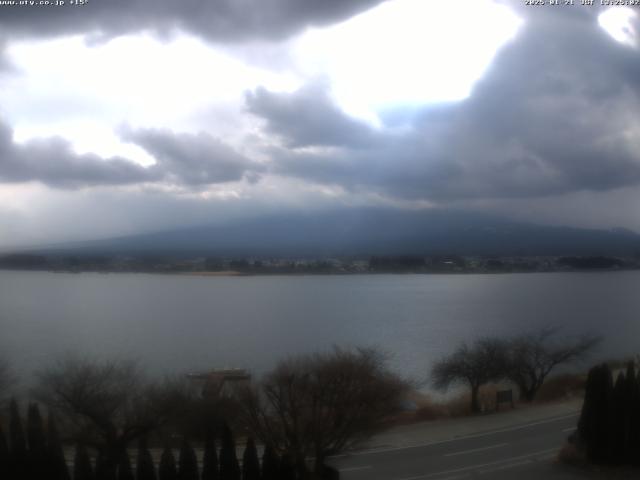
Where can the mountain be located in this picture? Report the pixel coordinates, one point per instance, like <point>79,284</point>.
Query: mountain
<point>367,231</point>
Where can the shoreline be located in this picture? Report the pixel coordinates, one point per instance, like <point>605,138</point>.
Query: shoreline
<point>237,273</point>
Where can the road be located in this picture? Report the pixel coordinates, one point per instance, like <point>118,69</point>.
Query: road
<point>523,452</point>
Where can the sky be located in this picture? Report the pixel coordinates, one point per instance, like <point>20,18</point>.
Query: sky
<point>126,116</point>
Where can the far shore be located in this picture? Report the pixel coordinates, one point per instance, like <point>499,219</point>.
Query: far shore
<point>236,273</point>
<point>221,273</point>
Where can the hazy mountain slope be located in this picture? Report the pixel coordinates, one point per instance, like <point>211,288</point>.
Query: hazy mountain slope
<point>371,232</point>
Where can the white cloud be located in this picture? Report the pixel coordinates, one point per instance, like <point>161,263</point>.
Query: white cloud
<point>619,23</point>
<point>407,52</point>
<point>84,93</point>
<point>402,53</point>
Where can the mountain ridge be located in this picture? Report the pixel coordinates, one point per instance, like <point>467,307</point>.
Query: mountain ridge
<point>365,232</point>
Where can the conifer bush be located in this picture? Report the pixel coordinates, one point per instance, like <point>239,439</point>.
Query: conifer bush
<point>55,452</point>
<point>125,472</point>
<point>270,464</point>
<point>609,425</point>
<point>145,469</point>
<point>37,445</point>
<point>286,471</point>
<point>167,469</point>
<point>82,469</point>
<point>250,462</point>
<point>188,462</point>
<point>4,456</point>
<point>229,468</point>
<point>210,468</point>
<point>18,458</point>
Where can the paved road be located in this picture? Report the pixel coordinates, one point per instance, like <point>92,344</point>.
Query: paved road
<point>522,452</point>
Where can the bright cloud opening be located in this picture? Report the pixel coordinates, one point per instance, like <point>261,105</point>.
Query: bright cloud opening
<point>619,23</point>
<point>407,52</point>
<point>84,93</point>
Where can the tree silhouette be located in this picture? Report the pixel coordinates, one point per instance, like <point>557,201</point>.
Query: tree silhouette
<point>482,362</point>
<point>319,405</point>
<point>533,356</point>
<point>110,401</point>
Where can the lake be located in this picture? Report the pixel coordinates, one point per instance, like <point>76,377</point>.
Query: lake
<point>179,323</point>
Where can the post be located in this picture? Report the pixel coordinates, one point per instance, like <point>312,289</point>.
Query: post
<point>503,396</point>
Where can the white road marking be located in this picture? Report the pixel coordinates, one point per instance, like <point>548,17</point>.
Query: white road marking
<point>569,429</point>
<point>353,469</point>
<point>505,467</point>
<point>482,465</point>
<point>476,435</point>
<point>475,450</point>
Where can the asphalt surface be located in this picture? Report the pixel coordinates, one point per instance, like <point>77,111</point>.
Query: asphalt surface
<point>522,452</point>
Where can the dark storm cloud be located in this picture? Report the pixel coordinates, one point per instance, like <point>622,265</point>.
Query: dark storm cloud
<point>308,117</point>
<point>191,160</point>
<point>218,20</point>
<point>397,168</point>
<point>51,161</point>
<point>557,112</point>
<point>6,65</point>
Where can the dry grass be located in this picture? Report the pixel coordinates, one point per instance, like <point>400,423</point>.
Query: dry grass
<point>454,407</point>
<point>430,411</point>
<point>557,388</point>
<point>425,410</point>
<point>562,387</point>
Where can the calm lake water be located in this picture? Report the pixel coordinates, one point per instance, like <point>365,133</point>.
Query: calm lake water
<point>175,323</point>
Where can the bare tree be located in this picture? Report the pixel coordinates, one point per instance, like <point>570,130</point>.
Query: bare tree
<point>533,356</point>
<point>482,362</point>
<point>109,403</point>
<point>319,405</point>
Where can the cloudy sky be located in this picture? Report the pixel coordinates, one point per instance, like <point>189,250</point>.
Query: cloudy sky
<point>122,116</point>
